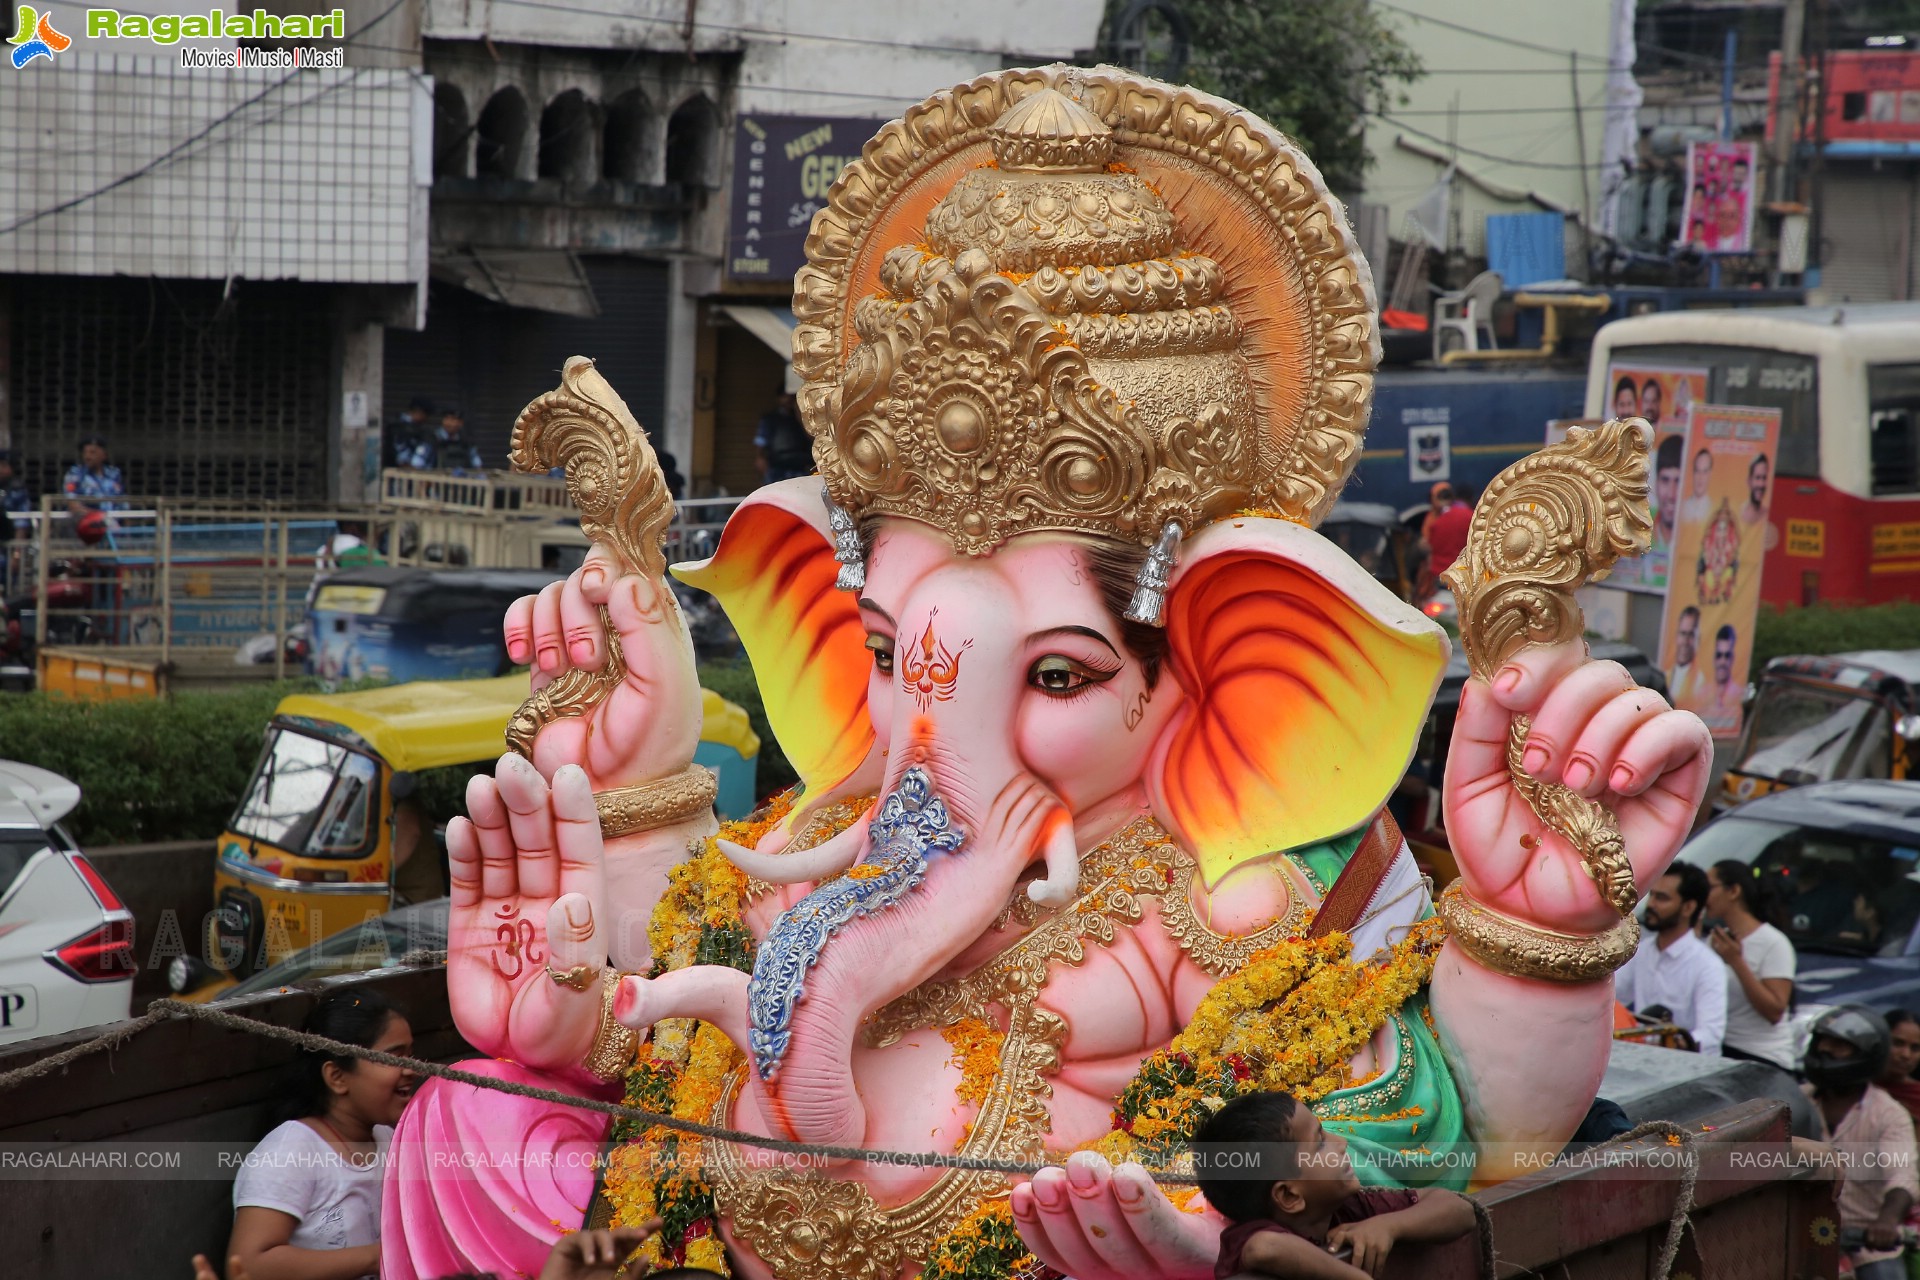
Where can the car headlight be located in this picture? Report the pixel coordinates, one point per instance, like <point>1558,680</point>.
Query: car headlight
<point>183,974</point>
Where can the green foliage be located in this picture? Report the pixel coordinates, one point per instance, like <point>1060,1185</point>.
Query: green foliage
<point>173,769</point>
<point>1829,628</point>
<point>734,681</point>
<point>148,769</point>
<point>1311,68</point>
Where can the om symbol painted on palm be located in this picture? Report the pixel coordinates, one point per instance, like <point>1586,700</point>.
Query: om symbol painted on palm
<point>931,671</point>
<point>517,938</point>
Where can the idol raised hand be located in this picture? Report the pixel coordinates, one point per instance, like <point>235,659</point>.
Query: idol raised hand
<point>1569,788</point>
<point>606,799</point>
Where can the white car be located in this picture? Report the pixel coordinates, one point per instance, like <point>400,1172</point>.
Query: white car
<point>66,941</point>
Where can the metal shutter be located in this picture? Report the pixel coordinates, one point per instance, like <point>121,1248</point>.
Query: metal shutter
<point>1866,220</point>
<point>196,398</point>
<point>491,359</point>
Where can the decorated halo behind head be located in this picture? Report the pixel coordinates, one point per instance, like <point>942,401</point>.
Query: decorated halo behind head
<point>1060,299</point>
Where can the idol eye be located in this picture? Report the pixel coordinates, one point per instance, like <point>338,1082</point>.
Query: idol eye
<point>882,648</point>
<point>1061,676</point>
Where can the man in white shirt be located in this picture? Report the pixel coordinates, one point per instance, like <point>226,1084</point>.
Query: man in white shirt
<point>1673,969</point>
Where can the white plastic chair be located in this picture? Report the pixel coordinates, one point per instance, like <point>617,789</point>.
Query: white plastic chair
<point>1460,319</point>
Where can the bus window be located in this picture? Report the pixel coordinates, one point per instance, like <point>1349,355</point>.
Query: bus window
<point>1755,377</point>
<point>1893,412</point>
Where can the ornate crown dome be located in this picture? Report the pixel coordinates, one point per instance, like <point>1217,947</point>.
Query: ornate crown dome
<point>1055,345</point>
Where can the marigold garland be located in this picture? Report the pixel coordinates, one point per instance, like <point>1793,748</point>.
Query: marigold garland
<point>1292,1018</point>
<point>976,1051</point>
<point>984,1245</point>
<point>684,1064</point>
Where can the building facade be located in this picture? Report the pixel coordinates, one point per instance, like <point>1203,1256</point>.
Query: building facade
<point>199,264</point>
<point>1510,116</point>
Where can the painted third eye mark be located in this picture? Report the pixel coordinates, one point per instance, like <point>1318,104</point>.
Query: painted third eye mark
<point>931,671</point>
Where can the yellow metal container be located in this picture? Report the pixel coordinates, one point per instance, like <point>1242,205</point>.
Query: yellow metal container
<point>99,675</point>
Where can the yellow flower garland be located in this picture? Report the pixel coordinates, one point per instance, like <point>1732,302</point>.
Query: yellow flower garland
<point>976,1051</point>
<point>1292,1018</point>
<point>705,893</point>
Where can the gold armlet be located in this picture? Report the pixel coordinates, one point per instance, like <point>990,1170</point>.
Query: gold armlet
<point>614,1045</point>
<point>626,811</point>
<point>1522,950</point>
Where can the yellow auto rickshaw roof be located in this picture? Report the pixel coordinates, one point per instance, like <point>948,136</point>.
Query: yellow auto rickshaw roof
<point>429,724</point>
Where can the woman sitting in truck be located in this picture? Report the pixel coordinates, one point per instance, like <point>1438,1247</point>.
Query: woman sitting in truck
<point>307,1201</point>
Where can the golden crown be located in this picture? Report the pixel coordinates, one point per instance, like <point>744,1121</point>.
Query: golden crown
<point>1015,316</point>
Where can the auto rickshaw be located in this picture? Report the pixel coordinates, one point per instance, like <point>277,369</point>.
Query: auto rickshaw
<point>1823,719</point>
<point>310,848</point>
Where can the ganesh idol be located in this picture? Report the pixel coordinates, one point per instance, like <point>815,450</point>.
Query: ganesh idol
<point>1094,736</point>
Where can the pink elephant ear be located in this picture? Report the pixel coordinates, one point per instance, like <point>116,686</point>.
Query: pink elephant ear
<point>773,573</point>
<point>1307,683</point>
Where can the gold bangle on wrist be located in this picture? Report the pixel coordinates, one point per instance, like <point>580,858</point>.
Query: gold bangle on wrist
<point>1521,950</point>
<point>614,1045</point>
<point>626,811</point>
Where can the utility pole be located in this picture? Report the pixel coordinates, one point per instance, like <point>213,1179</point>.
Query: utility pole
<point>1786,120</point>
<point>1729,53</point>
<point>1586,186</point>
<point>1816,256</point>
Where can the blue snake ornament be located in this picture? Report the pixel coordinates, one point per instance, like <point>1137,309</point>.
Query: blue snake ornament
<point>912,824</point>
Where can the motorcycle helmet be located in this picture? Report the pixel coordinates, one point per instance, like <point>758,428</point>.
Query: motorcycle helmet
<point>91,527</point>
<point>1860,1027</point>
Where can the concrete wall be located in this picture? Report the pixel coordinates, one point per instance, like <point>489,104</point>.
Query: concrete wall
<point>1513,104</point>
<point>803,57</point>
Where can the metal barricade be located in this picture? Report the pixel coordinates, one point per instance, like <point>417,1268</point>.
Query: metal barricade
<point>195,579</point>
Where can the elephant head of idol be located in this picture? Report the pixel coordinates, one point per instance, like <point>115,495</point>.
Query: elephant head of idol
<point>1085,356</point>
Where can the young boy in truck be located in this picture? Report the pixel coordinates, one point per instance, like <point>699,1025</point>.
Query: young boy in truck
<point>1296,1207</point>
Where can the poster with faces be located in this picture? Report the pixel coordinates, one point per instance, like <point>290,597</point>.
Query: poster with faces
<point>1719,545</point>
<point>1718,214</point>
<point>1665,397</point>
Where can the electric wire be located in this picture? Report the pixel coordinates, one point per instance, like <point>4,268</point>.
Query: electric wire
<point>176,151</point>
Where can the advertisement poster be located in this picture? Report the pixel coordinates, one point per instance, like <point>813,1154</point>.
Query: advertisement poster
<point>783,166</point>
<point>1714,593</point>
<point>1664,397</point>
<point>1718,216</point>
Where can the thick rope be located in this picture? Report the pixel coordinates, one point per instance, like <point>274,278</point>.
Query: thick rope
<point>120,1034</point>
<point>1483,1229</point>
<point>160,1010</point>
<point>1683,1199</point>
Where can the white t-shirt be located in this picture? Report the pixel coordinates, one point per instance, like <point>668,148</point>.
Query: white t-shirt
<point>298,1172</point>
<point>1769,955</point>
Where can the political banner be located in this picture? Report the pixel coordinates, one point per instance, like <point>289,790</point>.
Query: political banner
<point>1665,398</point>
<point>1718,217</point>
<point>1719,546</point>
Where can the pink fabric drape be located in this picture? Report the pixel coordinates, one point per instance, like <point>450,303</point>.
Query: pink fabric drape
<point>485,1183</point>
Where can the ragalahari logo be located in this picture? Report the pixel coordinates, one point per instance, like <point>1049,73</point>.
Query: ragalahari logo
<point>36,38</point>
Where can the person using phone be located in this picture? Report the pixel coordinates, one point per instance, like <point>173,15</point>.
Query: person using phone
<point>1760,963</point>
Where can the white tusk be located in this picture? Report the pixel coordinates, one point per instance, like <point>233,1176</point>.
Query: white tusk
<point>807,865</point>
<point>1061,884</point>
